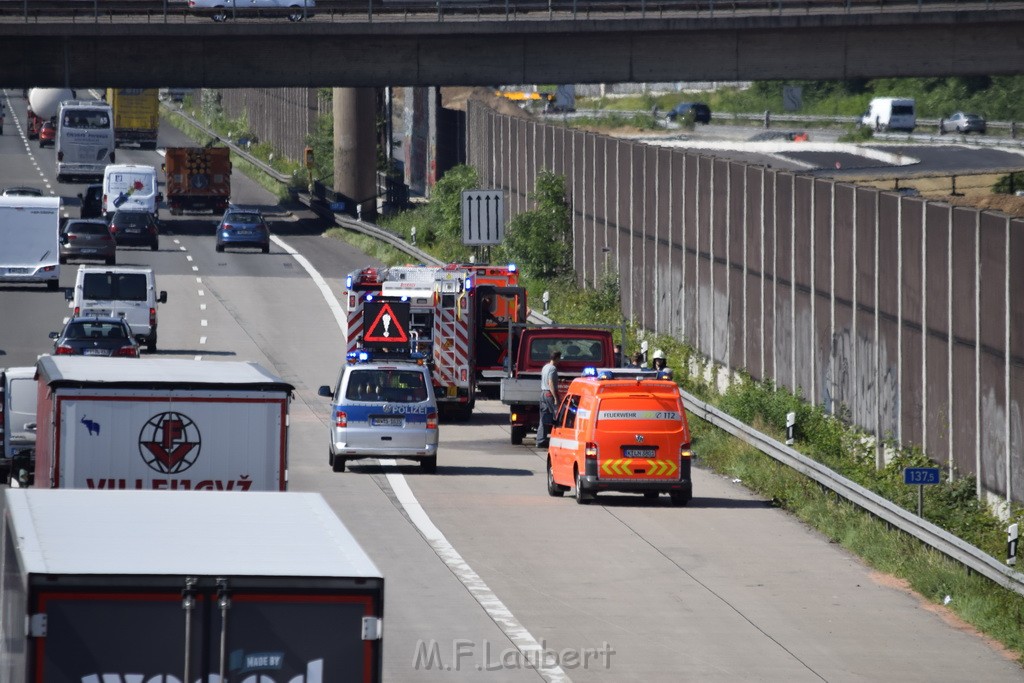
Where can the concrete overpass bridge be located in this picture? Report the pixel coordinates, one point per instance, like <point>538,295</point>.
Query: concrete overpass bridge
<point>138,43</point>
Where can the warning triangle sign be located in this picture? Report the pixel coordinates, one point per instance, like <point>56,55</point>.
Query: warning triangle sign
<point>389,323</point>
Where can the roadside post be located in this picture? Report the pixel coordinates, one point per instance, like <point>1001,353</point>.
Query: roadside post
<point>790,428</point>
<point>920,477</point>
<point>1011,545</point>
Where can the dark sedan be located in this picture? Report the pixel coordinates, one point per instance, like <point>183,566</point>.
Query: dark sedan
<point>700,112</point>
<point>135,228</point>
<point>243,228</point>
<point>95,336</point>
<point>87,239</point>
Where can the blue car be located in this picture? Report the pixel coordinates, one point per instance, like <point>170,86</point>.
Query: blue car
<point>243,228</point>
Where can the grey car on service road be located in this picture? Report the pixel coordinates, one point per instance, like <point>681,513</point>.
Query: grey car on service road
<point>962,122</point>
<point>87,239</point>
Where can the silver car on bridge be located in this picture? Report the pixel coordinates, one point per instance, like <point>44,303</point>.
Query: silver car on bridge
<point>222,10</point>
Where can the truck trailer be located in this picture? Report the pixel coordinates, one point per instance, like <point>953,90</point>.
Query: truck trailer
<point>198,179</point>
<point>124,586</point>
<point>179,424</point>
<point>136,115</point>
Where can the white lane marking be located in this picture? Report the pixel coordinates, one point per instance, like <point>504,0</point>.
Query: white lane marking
<point>199,280</point>
<point>198,358</point>
<point>495,608</point>
<point>189,258</point>
<point>202,293</point>
<point>202,323</point>
<point>182,248</point>
<point>202,340</point>
<point>195,269</point>
<point>177,241</point>
<point>202,307</point>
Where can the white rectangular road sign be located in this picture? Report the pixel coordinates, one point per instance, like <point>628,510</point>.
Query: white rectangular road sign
<point>483,217</point>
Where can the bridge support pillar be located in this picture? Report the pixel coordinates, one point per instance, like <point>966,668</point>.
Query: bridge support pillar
<point>355,148</point>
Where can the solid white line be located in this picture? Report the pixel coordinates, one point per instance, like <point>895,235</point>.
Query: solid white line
<point>495,608</point>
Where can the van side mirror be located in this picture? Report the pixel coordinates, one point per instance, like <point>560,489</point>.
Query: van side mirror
<point>54,335</point>
<point>163,297</point>
<point>325,391</point>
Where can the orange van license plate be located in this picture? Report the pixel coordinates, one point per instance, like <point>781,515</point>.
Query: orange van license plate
<point>638,453</point>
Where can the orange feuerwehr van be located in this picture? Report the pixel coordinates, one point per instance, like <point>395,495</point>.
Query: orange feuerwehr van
<point>621,430</point>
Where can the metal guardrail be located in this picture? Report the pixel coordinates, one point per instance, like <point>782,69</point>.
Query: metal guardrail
<point>939,539</point>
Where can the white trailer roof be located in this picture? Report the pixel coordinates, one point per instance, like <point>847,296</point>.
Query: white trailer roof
<point>171,533</point>
<point>74,370</point>
<point>21,201</point>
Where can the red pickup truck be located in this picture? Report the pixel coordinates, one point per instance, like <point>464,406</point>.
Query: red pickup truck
<point>581,347</point>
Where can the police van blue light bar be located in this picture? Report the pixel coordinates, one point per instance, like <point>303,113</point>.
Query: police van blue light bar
<point>357,356</point>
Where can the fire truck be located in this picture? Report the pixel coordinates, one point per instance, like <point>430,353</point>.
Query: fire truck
<point>454,317</point>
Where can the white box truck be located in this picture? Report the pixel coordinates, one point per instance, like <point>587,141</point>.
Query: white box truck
<point>107,423</point>
<point>29,234</point>
<point>160,586</point>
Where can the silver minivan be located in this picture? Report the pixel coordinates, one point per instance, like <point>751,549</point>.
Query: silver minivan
<point>383,407</point>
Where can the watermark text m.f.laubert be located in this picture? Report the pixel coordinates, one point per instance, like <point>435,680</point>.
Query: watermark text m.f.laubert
<point>466,654</point>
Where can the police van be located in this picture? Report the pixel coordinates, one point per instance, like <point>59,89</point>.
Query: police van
<point>622,430</point>
<point>383,406</point>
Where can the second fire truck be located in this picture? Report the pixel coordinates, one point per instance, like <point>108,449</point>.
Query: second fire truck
<point>458,315</point>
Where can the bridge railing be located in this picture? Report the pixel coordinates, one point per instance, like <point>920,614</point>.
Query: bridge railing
<point>440,10</point>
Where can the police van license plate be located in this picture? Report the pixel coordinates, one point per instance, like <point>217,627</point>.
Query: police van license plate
<point>638,452</point>
<point>386,421</point>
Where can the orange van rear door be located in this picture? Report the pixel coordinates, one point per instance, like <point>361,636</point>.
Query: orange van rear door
<point>639,437</point>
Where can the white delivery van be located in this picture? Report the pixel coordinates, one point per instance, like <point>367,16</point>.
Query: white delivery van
<point>891,113</point>
<point>29,240</point>
<point>119,291</point>
<point>85,139</point>
<point>132,187</point>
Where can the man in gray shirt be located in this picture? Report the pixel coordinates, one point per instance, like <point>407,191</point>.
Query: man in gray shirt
<point>548,398</point>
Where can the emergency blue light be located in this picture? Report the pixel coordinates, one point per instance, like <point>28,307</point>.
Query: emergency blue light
<point>369,297</point>
<point>590,371</point>
<point>469,283</point>
<point>606,374</point>
<point>348,282</point>
<point>404,298</point>
<point>511,267</point>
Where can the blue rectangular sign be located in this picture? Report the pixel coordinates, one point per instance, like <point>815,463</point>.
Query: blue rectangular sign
<point>921,475</point>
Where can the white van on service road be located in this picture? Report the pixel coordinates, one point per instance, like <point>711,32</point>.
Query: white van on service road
<point>131,187</point>
<point>29,240</point>
<point>891,113</point>
<point>85,139</point>
<point>119,291</point>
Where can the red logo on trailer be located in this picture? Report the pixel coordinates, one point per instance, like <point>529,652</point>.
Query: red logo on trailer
<point>169,443</point>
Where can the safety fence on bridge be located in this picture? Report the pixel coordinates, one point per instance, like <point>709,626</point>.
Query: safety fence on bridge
<point>442,10</point>
<point>902,315</point>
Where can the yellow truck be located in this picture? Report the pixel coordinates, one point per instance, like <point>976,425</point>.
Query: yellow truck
<point>198,179</point>
<point>136,115</point>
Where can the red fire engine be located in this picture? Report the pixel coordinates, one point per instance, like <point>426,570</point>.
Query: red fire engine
<point>455,318</point>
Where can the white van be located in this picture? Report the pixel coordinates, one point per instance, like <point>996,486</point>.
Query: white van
<point>119,291</point>
<point>891,113</point>
<point>132,187</point>
<point>85,139</point>
<point>17,423</point>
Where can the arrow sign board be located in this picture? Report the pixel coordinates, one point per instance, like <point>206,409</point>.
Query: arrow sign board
<point>388,324</point>
<point>483,217</point>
